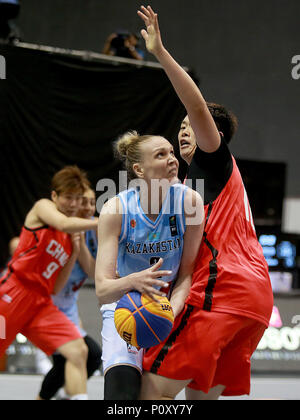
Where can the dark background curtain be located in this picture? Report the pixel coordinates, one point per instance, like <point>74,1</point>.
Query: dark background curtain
<point>241,51</point>
<point>60,110</point>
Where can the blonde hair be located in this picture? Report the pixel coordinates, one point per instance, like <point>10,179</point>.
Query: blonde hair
<point>128,150</point>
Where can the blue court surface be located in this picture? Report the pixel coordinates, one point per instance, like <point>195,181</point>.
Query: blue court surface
<point>26,387</point>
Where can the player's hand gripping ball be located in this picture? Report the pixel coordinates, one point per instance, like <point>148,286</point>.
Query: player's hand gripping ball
<point>141,321</point>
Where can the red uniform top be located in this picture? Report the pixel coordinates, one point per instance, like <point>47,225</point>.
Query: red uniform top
<point>231,274</point>
<point>40,256</point>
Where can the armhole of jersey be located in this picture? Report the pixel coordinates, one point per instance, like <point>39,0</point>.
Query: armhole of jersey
<point>182,218</point>
<point>123,202</point>
<point>180,191</point>
<point>36,229</point>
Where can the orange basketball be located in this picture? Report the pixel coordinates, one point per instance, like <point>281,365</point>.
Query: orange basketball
<point>143,322</point>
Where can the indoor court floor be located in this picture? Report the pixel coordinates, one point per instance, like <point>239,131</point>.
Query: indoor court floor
<point>26,387</point>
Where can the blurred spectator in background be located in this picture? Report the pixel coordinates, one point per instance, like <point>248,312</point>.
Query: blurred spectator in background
<point>9,10</point>
<point>123,44</point>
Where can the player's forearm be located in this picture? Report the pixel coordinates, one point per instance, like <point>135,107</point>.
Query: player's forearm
<point>77,224</point>
<point>186,89</point>
<point>111,290</point>
<point>180,293</point>
<point>207,136</point>
<point>86,261</point>
<point>64,275</point>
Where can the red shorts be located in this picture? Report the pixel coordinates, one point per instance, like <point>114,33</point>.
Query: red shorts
<point>210,348</point>
<point>35,316</point>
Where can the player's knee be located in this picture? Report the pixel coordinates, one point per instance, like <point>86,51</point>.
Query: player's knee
<point>83,352</point>
<point>78,354</point>
<point>115,379</point>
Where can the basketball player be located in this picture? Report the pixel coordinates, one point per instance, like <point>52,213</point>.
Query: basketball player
<point>145,245</point>
<point>66,299</point>
<point>230,301</point>
<point>45,257</point>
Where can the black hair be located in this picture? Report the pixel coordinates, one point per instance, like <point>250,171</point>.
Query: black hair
<point>225,120</point>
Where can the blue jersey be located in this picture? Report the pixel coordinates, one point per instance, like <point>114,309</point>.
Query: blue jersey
<point>143,242</point>
<point>66,299</point>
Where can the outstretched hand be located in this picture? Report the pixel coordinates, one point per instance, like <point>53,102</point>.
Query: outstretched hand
<point>151,34</point>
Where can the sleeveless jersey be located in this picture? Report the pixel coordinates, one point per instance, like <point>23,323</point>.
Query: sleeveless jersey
<point>231,274</point>
<point>39,257</point>
<point>143,242</point>
<point>66,300</point>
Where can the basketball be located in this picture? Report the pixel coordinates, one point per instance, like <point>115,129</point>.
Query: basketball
<point>141,321</point>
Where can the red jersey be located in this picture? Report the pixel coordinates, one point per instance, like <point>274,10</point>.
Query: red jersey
<point>231,274</point>
<point>40,256</point>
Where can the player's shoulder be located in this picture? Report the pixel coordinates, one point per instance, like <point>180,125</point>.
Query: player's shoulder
<point>44,207</point>
<point>193,207</point>
<point>110,220</point>
<point>112,207</point>
<point>43,203</point>
<point>33,218</point>
<point>192,197</point>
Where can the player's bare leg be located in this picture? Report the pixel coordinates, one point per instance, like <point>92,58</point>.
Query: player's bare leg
<point>213,394</point>
<point>155,387</point>
<point>76,353</point>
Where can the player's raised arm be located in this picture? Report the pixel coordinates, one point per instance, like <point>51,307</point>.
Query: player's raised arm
<point>45,212</point>
<point>207,135</point>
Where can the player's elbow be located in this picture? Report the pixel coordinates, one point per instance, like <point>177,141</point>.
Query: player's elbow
<point>100,289</point>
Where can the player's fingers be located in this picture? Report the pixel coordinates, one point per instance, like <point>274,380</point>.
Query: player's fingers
<point>156,25</point>
<point>143,16</point>
<point>162,273</point>
<point>160,284</point>
<point>76,237</point>
<point>154,294</point>
<point>144,34</point>
<point>157,265</point>
<point>151,12</point>
<point>151,282</point>
<point>146,11</point>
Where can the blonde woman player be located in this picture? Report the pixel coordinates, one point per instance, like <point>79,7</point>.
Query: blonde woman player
<point>150,236</point>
